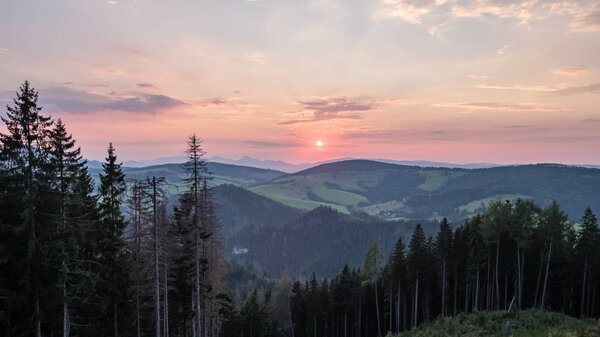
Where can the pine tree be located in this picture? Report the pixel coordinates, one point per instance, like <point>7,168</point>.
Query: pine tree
<point>64,166</point>
<point>443,245</point>
<point>588,246</point>
<point>23,157</point>
<point>370,272</point>
<point>417,259</point>
<point>112,244</point>
<point>398,275</point>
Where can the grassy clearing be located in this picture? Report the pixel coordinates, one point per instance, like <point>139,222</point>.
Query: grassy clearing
<point>337,196</point>
<point>475,205</point>
<point>534,323</point>
<point>293,197</point>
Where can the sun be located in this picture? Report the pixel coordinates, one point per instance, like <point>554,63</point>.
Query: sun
<point>319,143</point>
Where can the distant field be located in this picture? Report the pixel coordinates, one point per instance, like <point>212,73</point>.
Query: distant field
<point>477,205</point>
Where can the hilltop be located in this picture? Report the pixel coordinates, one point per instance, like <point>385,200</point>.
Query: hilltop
<point>411,192</point>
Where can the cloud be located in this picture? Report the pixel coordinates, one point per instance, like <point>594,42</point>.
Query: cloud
<point>573,71</point>
<point>214,101</point>
<point>498,106</point>
<point>254,58</point>
<point>439,30</point>
<point>519,126</point>
<point>586,23</point>
<point>147,85</point>
<point>478,77</point>
<point>262,144</point>
<point>502,50</point>
<point>97,85</point>
<point>592,88</point>
<point>81,102</point>
<point>517,87</point>
<point>321,109</point>
<point>407,10</point>
<point>3,50</point>
<point>522,10</point>
<point>110,2</point>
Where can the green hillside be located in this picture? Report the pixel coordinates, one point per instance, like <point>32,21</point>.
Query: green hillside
<point>526,323</point>
<point>397,192</point>
<point>175,174</point>
<point>238,208</point>
<point>321,241</point>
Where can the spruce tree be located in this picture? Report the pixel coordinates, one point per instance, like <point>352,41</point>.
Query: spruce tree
<point>587,249</point>
<point>23,157</point>
<point>443,245</point>
<point>112,244</point>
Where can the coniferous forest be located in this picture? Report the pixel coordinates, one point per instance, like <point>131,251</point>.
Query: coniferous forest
<point>113,259</point>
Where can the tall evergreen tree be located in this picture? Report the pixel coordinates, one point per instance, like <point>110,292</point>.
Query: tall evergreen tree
<point>112,244</point>
<point>23,157</point>
<point>443,246</point>
<point>588,249</point>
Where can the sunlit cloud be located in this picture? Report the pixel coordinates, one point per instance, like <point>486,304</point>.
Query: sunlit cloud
<point>591,88</point>
<point>72,101</point>
<point>147,85</point>
<point>321,109</point>
<point>254,57</point>
<point>518,87</point>
<point>502,50</point>
<point>498,106</point>
<point>3,50</point>
<point>587,23</point>
<point>408,10</point>
<point>573,71</point>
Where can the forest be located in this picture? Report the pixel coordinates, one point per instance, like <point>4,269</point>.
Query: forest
<point>118,259</point>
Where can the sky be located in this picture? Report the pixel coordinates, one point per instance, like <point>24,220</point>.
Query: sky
<point>446,80</point>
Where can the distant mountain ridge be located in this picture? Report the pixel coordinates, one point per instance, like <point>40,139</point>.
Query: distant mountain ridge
<point>286,167</point>
<point>411,192</point>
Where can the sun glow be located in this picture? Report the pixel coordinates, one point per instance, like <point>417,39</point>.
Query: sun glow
<point>319,143</point>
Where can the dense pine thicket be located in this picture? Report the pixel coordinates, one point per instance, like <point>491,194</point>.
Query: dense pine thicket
<point>513,256</point>
<point>70,264</point>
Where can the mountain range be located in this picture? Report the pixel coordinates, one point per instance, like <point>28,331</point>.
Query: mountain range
<point>310,219</point>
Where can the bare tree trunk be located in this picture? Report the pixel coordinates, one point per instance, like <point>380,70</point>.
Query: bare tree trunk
<point>546,277</point>
<point>522,279</point>
<point>583,287</point>
<point>156,266</point>
<point>476,302</point>
<point>116,331</point>
<point>398,308</point>
<point>391,304</point>
<point>444,288</point>
<point>377,307</point>
<point>497,282</point>
<point>359,315</point>
<point>416,306</point>
<point>65,312</point>
<point>537,285</point>
<point>166,298</point>
<point>518,277</point>
<point>455,292</point>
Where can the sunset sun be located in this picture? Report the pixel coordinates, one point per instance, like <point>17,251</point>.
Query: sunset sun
<point>319,143</point>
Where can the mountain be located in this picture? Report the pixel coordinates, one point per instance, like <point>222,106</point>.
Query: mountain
<point>411,192</point>
<point>175,174</point>
<point>265,164</point>
<point>321,241</point>
<point>238,208</point>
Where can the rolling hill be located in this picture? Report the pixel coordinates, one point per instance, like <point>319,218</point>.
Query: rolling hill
<point>320,241</point>
<point>409,192</point>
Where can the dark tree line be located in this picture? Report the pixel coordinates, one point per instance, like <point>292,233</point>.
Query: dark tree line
<point>70,263</point>
<point>513,256</point>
